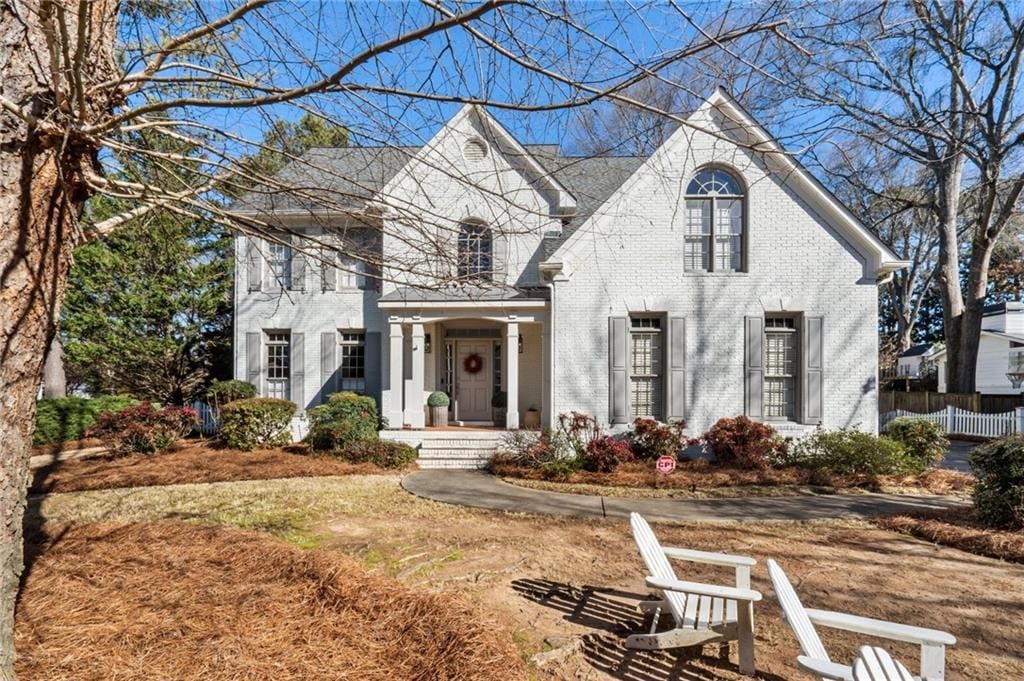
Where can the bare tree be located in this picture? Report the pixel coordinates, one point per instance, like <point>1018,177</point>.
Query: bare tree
<point>937,84</point>
<point>86,85</point>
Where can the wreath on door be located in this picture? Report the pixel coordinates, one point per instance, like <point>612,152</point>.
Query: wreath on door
<point>473,364</point>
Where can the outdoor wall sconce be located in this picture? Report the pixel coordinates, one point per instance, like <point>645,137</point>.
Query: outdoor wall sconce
<point>426,343</point>
<point>520,344</point>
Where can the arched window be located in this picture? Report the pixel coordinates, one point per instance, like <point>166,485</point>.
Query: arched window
<point>714,223</point>
<point>475,252</point>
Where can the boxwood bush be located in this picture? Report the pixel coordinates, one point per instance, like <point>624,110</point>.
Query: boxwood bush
<point>60,419</point>
<point>256,422</point>
<point>347,418</point>
<point>923,440</point>
<point>999,492</point>
<point>383,453</point>
<point>848,450</point>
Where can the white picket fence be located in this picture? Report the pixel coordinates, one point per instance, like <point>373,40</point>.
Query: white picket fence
<point>207,424</point>
<point>957,421</point>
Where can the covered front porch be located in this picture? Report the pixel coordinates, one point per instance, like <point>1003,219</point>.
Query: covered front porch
<point>491,357</point>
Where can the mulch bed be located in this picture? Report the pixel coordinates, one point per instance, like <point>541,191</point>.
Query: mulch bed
<point>176,600</point>
<point>961,530</point>
<point>192,462</point>
<point>701,474</point>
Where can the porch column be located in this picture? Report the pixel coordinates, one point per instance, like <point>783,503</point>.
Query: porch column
<point>512,375</point>
<point>395,372</point>
<point>415,415</point>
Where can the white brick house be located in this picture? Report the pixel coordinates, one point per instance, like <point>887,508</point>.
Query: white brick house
<point>715,278</point>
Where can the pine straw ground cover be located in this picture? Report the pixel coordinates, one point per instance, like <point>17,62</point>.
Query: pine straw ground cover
<point>191,462</point>
<point>700,478</point>
<point>961,530</point>
<point>174,600</point>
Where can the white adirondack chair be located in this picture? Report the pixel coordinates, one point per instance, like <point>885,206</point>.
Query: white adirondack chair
<point>815,660</point>
<point>875,664</point>
<point>703,613</point>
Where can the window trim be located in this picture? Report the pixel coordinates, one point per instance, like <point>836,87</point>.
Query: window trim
<point>792,326</point>
<point>712,234</point>
<point>655,327</point>
<point>476,270</point>
<point>344,343</point>
<point>269,343</point>
<point>285,282</point>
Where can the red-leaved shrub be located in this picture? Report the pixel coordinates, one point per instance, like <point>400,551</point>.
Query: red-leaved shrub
<point>605,454</point>
<point>652,440</point>
<point>143,429</point>
<point>744,443</point>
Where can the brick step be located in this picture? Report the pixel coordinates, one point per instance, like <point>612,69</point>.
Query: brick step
<point>451,463</point>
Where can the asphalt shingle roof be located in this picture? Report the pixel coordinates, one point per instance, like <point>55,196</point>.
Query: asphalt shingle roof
<point>348,176</point>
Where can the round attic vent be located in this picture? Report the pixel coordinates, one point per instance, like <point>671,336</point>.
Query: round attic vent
<point>474,149</point>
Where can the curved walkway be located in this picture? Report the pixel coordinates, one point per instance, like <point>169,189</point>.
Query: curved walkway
<point>483,490</point>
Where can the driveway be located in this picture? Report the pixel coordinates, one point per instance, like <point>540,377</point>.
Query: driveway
<point>483,490</point>
<point>958,458</point>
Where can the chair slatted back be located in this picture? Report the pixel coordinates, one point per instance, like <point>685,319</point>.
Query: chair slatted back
<point>795,614</point>
<point>657,564</point>
<point>876,664</point>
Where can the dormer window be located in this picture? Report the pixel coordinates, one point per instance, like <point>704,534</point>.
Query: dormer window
<point>715,223</point>
<point>475,252</point>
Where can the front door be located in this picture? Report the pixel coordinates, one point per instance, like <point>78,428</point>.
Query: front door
<point>473,389</point>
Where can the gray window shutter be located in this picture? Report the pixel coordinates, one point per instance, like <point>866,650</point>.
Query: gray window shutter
<point>618,369</point>
<point>676,368</point>
<point>298,371</point>
<point>253,370</point>
<point>328,270</point>
<point>812,388</point>
<point>753,376</point>
<point>328,364</point>
<point>298,271</point>
<point>372,365</point>
<point>253,264</point>
<point>499,256</point>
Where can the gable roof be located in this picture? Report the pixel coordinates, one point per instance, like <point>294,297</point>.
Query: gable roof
<point>917,350</point>
<point>881,259</point>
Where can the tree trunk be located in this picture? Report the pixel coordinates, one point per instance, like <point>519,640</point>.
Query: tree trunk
<point>947,277</point>
<point>55,382</point>
<point>42,192</point>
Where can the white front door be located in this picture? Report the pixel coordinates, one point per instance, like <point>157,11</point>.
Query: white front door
<point>473,390</point>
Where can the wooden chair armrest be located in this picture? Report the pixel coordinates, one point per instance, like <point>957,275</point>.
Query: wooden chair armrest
<point>695,588</point>
<point>880,628</point>
<point>825,669</point>
<point>708,557</point>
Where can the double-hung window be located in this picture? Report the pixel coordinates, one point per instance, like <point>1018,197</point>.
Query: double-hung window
<point>352,368</point>
<point>279,344</point>
<point>351,272</point>
<point>645,367</point>
<point>781,366</point>
<point>475,257</point>
<point>714,223</point>
<point>280,260</point>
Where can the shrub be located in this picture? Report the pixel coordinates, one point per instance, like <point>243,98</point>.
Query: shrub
<point>560,469</point>
<point>999,492</point>
<point>438,399</point>
<point>605,454</point>
<point>652,440</point>
<point>744,443</point>
<point>383,453</point>
<point>256,422</point>
<point>347,418</point>
<point>60,419</point>
<point>576,431</point>
<point>143,429</point>
<point>848,450</point>
<point>923,440</point>
<point>221,392</point>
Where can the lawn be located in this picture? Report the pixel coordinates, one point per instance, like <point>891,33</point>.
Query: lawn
<point>566,588</point>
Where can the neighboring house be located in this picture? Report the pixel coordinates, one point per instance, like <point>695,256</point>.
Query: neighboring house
<point>1000,350</point>
<point>913,362</point>
<point>714,278</point>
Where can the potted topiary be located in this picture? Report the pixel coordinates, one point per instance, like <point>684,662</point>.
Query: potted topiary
<point>499,405</point>
<point>438,403</point>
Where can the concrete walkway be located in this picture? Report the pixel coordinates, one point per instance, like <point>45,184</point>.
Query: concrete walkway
<point>482,490</point>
